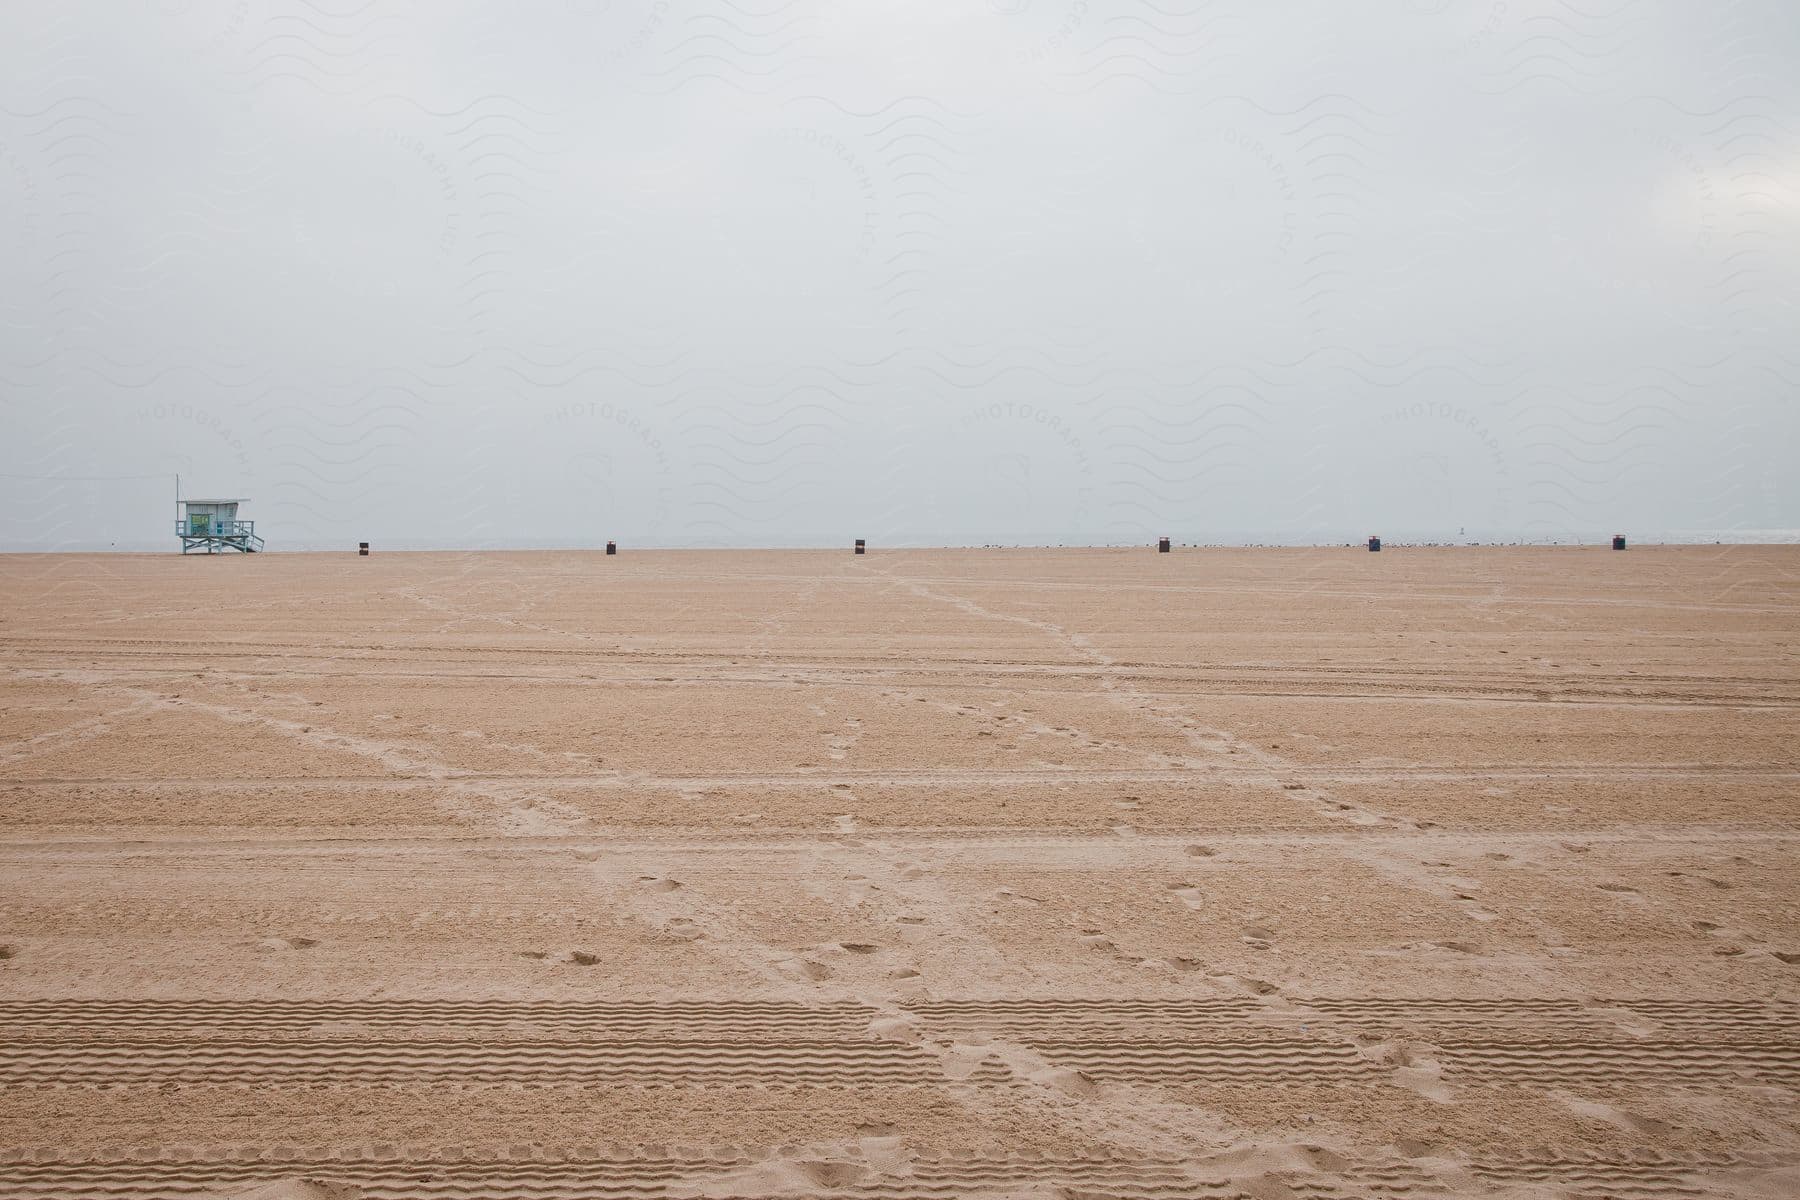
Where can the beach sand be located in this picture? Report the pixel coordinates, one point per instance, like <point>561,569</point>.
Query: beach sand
<point>1259,873</point>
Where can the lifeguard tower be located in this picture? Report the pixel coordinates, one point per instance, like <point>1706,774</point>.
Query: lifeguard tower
<point>212,527</point>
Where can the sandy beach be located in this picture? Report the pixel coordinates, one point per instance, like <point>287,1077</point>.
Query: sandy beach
<point>1226,873</point>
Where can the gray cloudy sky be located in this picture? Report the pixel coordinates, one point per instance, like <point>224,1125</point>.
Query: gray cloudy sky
<point>533,272</point>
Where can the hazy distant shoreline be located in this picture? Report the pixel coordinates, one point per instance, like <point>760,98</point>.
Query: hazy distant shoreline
<point>1759,537</point>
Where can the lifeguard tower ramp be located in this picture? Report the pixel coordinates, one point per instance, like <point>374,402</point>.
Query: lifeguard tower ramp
<point>212,527</point>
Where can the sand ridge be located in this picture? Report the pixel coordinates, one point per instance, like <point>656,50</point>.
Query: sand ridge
<point>1266,873</point>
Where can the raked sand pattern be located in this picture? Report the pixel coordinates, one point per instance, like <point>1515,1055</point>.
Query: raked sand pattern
<point>1280,874</point>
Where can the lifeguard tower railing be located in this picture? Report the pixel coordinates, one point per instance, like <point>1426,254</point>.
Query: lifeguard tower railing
<point>216,537</point>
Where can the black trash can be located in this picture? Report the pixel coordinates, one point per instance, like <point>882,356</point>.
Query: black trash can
<point>362,548</point>
<point>859,545</point>
<point>1162,545</point>
<point>1374,544</point>
<point>1618,541</point>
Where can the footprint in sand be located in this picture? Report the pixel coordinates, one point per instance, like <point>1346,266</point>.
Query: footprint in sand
<point>1065,1080</point>
<point>960,1060</point>
<point>784,1177</point>
<point>1256,987</point>
<point>806,968</point>
<point>1416,1071</point>
<point>895,1029</point>
<point>1188,894</point>
<point>298,1189</point>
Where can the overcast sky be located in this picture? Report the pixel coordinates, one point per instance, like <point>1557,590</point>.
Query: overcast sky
<point>545,272</point>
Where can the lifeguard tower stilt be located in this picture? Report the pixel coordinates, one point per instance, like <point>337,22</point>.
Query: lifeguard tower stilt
<point>212,527</point>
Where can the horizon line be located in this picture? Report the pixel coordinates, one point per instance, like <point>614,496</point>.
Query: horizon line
<point>1787,538</point>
